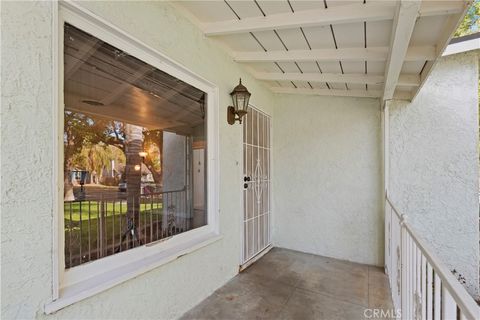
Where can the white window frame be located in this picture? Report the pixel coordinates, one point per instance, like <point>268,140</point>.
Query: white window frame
<point>77,283</point>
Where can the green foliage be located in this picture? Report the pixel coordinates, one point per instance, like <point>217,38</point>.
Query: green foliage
<point>97,157</point>
<point>471,22</point>
<point>84,136</point>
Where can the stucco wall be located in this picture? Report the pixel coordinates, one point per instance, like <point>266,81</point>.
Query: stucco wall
<point>434,163</point>
<point>27,186</point>
<point>327,183</point>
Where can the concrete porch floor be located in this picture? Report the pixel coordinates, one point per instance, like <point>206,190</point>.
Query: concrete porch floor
<point>286,284</point>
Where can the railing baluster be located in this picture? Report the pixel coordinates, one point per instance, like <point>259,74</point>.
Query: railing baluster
<point>89,231</point>
<point>159,216</point>
<point>418,280</point>
<point>120,227</point>
<point>102,204</point>
<point>185,210</point>
<point>170,203</point>
<point>70,236</point>
<point>113,226</point>
<point>81,229</point>
<point>99,224</point>
<point>449,307</point>
<point>429,292</point>
<point>403,272</point>
<point>151,218</point>
<point>423,285</point>
<point>139,215</point>
<point>105,224</point>
<point>411,266</point>
<point>179,212</point>
<point>407,275</point>
<point>437,297</point>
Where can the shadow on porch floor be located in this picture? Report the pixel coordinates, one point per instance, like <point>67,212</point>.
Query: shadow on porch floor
<point>287,284</point>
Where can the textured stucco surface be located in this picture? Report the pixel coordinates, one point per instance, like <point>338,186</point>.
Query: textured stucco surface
<point>434,163</point>
<point>26,157</point>
<point>328,191</point>
<point>27,166</point>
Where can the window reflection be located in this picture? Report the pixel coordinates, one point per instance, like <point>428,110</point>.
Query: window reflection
<point>131,134</point>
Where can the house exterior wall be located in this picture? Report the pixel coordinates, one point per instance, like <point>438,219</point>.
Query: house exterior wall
<point>434,163</point>
<point>328,177</point>
<point>27,186</point>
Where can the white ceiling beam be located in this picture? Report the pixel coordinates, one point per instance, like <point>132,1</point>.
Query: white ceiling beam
<point>399,95</point>
<point>329,92</point>
<point>463,46</point>
<point>436,8</point>
<point>306,18</point>
<point>402,95</point>
<point>410,80</point>
<point>447,33</point>
<point>349,54</point>
<point>320,77</point>
<point>359,12</point>
<point>403,24</point>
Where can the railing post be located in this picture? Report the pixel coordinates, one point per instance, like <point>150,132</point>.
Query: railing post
<point>403,267</point>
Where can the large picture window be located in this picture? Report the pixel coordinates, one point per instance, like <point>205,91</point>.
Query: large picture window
<point>134,151</point>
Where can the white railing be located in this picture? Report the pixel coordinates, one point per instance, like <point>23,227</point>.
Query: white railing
<point>422,286</point>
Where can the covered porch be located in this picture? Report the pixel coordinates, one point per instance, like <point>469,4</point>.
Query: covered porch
<point>349,191</point>
<point>287,284</point>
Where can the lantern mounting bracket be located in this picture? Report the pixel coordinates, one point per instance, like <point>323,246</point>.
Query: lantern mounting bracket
<point>233,115</point>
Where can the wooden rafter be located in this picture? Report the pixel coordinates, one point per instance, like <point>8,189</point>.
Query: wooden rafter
<point>328,92</point>
<point>403,24</point>
<point>399,95</point>
<point>421,53</point>
<point>449,28</point>
<point>404,79</point>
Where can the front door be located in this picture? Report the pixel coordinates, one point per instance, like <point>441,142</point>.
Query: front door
<point>256,184</point>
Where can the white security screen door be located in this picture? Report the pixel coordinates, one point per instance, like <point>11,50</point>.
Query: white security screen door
<point>256,188</point>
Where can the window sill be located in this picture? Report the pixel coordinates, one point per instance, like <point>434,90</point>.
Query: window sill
<point>85,289</point>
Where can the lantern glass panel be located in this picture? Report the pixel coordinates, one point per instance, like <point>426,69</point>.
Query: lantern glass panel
<point>245,103</point>
<point>234,101</point>
<point>240,101</point>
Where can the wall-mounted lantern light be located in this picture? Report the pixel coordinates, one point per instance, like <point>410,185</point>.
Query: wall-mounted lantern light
<point>240,97</point>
